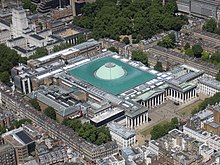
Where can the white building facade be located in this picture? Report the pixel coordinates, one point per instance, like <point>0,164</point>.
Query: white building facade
<point>124,137</point>
<point>208,86</point>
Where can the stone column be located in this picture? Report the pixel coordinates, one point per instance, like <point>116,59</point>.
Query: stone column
<point>135,122</point>
<point>146,114</point>
<point>141,120</point>
<point>152,102</point>
<point>131,121</point>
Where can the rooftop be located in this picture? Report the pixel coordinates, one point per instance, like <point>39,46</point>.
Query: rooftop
<point>214,124</point>
<point>56,97</point>
<point>124,132</point>
<point>110,71</point>
<point>134,75</point>
<point>5,147</point>
<point>106,115</point>
<point>210,82</point>
<point>36,36</point>
<point>24,137</point>
<point>18,137</point>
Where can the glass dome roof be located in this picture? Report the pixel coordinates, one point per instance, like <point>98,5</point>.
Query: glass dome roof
<point>110,71</point>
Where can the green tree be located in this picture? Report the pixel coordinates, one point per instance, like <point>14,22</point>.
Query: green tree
<point>174,121</point>
<point>27,4</point>
<point>81,39</point>
<point>111,18</point>
<point>208,101</point>
<point>215,58</point>
<point>126,40</point>
<point>113,49</point>
<point>158,66</point>
<point>5,77</point>
<point>139,55</point>
<point>50,112</point>
<point>197,49</point>
<point>2,130</point>
<point>205,56</point>
<point>189,52</point>
<point>34,103</point>
<point>218,76</point>
<point>159,130</point>
<point>40,52</point>
<point>89,132</point>
<point>167,41</point>
<point>62,46</point>
<point>8,59</point>
<point>187,46</point>
<point>210,26</point>
<point>18,123</point>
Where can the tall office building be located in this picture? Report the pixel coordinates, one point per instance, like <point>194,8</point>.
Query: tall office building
<point>22,143</point>
<point>19,22</point>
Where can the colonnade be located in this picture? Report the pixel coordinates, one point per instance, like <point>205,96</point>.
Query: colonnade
<point>182,97</point>
<point>137,120</point>
<point>154,101</point>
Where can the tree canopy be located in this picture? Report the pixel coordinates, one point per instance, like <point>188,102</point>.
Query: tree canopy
<point>18,123</point>
<point>168,41</point>
<point>197,50</point>
<point>113,49</point>
<point>5,77</point>
<point>126,40</point>
<point>211,26</point>
<point>89,132</point>
<point>189,52</point>
<point>139,55</point>
<point>27,4</point>
<point>8,59</point>
<point>158,66</point>
<point>34,103</point>
<point>50,112</point>
<point>208,101</point>
<point>187,46</point>
<point>160,130</point>
<point>217,77</point>
<point>141,18</point>
<point>62,46</point>
<point>40,52</point>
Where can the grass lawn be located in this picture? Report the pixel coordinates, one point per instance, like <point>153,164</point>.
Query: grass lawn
<point>148,130</point>
<point>188,109</point>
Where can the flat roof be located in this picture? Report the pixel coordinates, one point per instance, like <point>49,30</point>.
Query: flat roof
<point>124,132</point>
<point>24,137</point>
<point>106,115</point>
<point>134,76</point>
<point>36,37</point>
<point>5,147</point>
<point>214,124</point>
<point>149,94</point>
<point>204,114</point>
<point>210,82</point>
